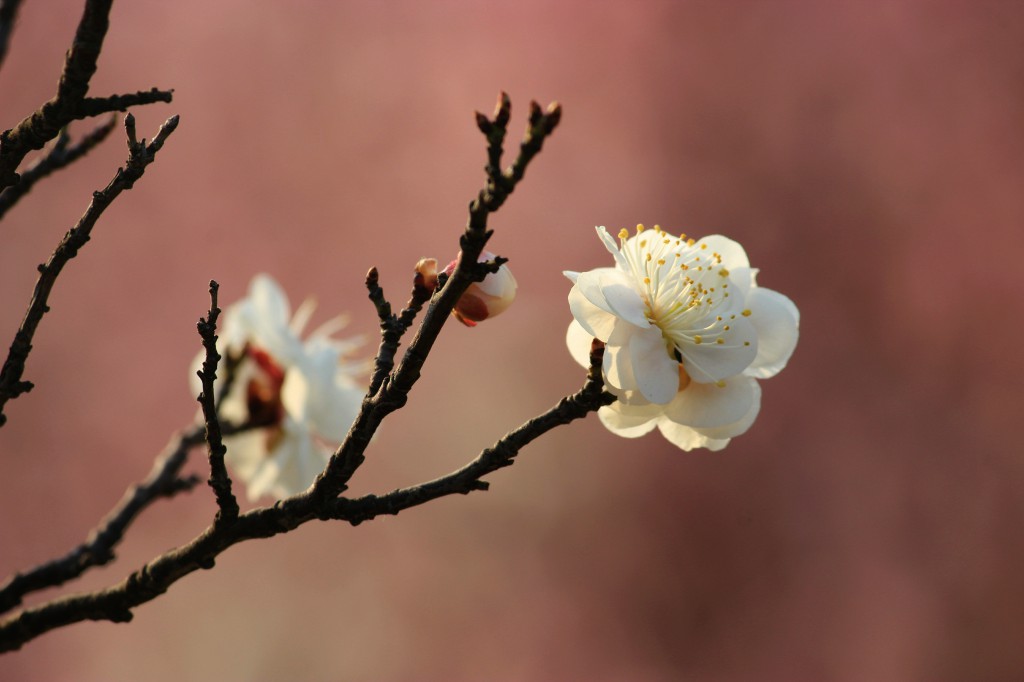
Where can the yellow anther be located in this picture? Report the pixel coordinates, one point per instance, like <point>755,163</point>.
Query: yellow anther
<point>720,341</point>
<point>665,241</point>
<point>703,246</point>
<point>690,242</point>
<point>726,327</point>
<point>723,272</point>
<point>648,258</point>
<point>639,228</point>
<point>746,313</point>
<point>746,343</point>
<point>684,266</point>
<point>657,228</point>
<point>732,317</point>
<point>643,243</point>
<point>720,383</point>
<point>719,318</point>
<point>623,233</point>
<point>661,261</point>
<point>697,340</point>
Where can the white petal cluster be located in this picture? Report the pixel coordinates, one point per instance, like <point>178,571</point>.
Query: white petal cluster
<point>687,333</point>
<point>303,394</point>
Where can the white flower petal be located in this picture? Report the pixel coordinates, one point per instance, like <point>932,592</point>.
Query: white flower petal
<point>777,322</point>
<point>709,405</point>
<point>708,361</point>
<point>618,368</point>
<point>579,341</point>
<point>738,427</point>
<point>295,393</point>
<point>597,322</point>
<point>655,372</point>
<point>613,248</point>
<point>680,435</point>
<point>733,255</point>
<point>612,291</point>
<point>627,421</point>
<point>499,283</point>
<point>301,317</point>
<point>246,452</point>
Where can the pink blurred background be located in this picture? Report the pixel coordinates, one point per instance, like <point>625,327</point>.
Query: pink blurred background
<point>870,157</point>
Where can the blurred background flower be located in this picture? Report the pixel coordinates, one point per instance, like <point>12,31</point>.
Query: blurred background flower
<point>868,155</point>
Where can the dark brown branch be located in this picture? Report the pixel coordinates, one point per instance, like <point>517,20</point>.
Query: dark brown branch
<point>116,603</point>
<point>62,154</point>
<point>94,106</point>
<point>393,327</point>
<point>394,388</point>
<point>98,549</point>
<point>8,15</point>
<point>502,454</point>
<point>321,501</point>
<point>140,155</point>
<point>70,103</point>
<point>227,505</point>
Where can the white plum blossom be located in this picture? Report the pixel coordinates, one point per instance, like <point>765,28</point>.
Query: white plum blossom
<point>483,300</point>
<point>302,394</point>
<point>687,333</point>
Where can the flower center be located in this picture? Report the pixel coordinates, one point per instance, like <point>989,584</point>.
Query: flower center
<point>263,392</point>
<point>684,285</point>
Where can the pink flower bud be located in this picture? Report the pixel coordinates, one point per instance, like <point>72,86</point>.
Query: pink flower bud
<point>485,299</point>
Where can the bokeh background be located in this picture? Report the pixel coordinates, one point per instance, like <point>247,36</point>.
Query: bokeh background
<point>870,157</point>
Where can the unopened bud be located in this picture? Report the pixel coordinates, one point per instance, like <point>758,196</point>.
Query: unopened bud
<point>483,300</point>
<point>426,273</point>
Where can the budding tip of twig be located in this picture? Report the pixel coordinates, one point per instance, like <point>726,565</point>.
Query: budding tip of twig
<point>553,115</point>
<point>503,109</point>
<point>372,277</point>
<point>535,113</point>
<point>483,123</point>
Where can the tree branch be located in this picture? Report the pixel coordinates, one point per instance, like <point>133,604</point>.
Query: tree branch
<point>59,156</point>
<point>227,505</point>
<point>140,155</point>
<point>8,15</point>
<point>394,388</point>
<point>502,454</point>
<point>70,103</point>
<point>98,549</point>
<point>321,501</point>
<point>115,603</point>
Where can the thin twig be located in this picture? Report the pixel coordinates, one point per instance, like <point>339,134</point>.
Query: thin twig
<point>98,549</point>
<point>62,154</point>
<point>8,15</point>
<point>115,603</point>
<point>140,155</point>
<point>70,103</point>
<point>502,454</point>
<point>227,505</point>
<point>395,387</point>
